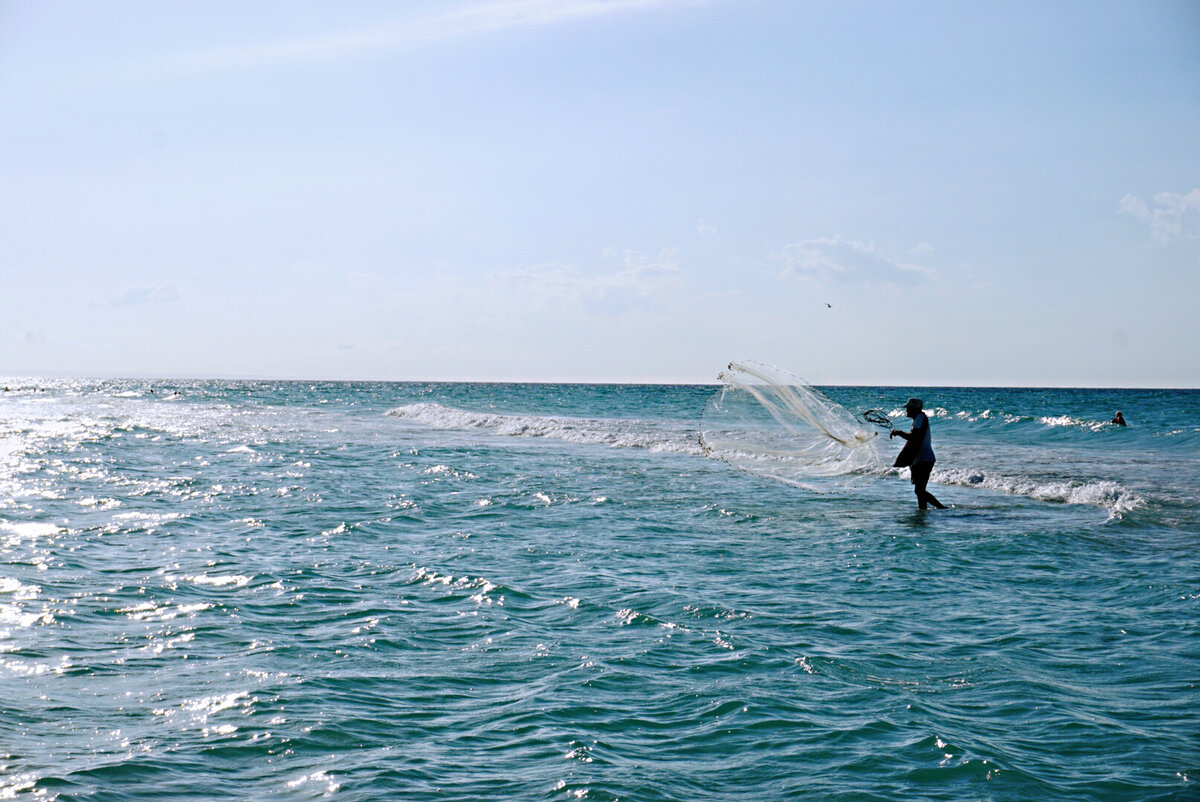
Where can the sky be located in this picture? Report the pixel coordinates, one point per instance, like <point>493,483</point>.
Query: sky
<point>879,193</point>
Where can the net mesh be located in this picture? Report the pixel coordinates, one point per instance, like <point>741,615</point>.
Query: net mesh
<point>771,423</point>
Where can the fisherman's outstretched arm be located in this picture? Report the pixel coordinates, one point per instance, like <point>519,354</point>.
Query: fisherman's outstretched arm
<point>906,435</point>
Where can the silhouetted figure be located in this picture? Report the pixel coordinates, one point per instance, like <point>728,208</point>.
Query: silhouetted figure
<point>1119,419</point>
<point>917,454</point>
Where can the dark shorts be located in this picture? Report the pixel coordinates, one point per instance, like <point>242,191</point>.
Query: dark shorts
<point>920,472</point>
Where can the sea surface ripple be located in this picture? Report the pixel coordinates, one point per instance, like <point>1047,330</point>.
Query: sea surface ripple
<point>301,590</point>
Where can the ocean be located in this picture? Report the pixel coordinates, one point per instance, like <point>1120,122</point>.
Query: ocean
<point>357,591</point>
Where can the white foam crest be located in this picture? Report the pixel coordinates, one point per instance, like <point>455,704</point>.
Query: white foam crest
<point>1108,495</point>
<point>210,705</point>
<point>317,778</point>
<point>143,521</point>
<point>19,590</point>
<point>972,416</point>
<point>479,584</point>
<point>31,530</point>
<point>1074,423</point>
<point>447,471</point>
<point>219,581</point>
<point>985,415</point>
<point>198,711</point>
<point>599,431</point>
<point>15,613</point>
<point>152,611</point>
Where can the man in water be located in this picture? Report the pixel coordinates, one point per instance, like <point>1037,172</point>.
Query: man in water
<point>1119,419</point>
<point>917,454</point>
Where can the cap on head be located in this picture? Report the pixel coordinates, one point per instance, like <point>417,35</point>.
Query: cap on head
<point>915,404</point>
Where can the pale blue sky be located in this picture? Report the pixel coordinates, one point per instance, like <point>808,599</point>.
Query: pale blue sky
<point>987,193</point>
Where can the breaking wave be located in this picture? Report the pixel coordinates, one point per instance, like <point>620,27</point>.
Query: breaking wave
<point>663,438</point>
<point>1008,418</point>
<point>617,433</point>
<point>1109,495</point>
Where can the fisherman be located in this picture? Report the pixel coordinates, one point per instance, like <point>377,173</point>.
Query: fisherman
<point>917,454</point>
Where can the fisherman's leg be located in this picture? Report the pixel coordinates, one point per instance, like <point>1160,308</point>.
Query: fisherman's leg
<point>920,476</point>
<point>921,481</point>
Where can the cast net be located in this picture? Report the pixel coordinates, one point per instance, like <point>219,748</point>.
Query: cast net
<point>770,423</point>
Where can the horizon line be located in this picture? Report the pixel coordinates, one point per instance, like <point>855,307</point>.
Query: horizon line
<point>582,382</point>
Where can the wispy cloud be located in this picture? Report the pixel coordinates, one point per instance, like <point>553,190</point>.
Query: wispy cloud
<point>835,259</point>
<point>639,279</point>
<point>396,34</point>
<point>141,296</point>
<point>1170,214</point>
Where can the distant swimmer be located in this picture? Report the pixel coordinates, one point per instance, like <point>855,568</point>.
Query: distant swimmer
<point>1119,419</point>
<point>917,454</point>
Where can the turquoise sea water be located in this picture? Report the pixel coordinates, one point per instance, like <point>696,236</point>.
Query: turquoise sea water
<point>274,590</point>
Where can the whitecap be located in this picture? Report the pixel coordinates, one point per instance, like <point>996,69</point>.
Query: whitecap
<point>617,433</point>
<point>209,705</point>
<point>151,611</point>
<point>1106,494</point>
<point>31,530</point>
<point>317,777</point>
<point>446,470</point>
<point>1071,422</point>
<point>19,616</point>
<point>99,503</point>
<point>236,580</point>
<point>147,517</point>
<point>19,589</point>
<point>627,616</point>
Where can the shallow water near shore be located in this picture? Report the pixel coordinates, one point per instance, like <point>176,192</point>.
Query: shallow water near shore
<point>299,590</point>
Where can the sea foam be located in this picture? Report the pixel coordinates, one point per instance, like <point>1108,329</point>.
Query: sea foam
<point>1109,495</point>
<point>618,433</point>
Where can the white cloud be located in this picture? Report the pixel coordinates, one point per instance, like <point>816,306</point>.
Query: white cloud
<point>922,248</point>
<point>837,259</point>
<point>1172,215</point>
<point>142,295</point>
<point>478,18</point>
<point>639,279</point>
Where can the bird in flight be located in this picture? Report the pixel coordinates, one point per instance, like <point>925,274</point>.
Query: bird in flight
<point>829,305</point>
